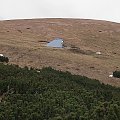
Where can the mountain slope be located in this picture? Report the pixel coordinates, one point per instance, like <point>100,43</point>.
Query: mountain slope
<point>23,41</point>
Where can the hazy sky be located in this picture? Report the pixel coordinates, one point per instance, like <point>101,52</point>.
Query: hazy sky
<point>88,9</point>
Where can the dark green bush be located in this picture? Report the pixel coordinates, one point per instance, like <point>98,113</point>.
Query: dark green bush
<point>116,74</point>
<point>54,95</point>
<point>4,59</point>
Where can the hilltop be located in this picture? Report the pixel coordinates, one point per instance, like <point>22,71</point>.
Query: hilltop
<point>23,41</point>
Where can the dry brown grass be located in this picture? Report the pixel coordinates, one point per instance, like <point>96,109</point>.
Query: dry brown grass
<point>21,40</point>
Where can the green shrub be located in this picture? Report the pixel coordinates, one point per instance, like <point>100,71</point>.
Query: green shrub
<point>4,59</point>
<point>116,74</point>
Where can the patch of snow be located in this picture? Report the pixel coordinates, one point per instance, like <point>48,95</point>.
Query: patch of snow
<point>57,43</point>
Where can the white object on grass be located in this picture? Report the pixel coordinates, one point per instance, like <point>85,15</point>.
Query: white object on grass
<point>98,53</point>
<point>1,55</point>
<point>111,75</point>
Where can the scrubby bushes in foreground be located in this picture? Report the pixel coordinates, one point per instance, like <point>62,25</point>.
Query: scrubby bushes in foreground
<point>54,95</point>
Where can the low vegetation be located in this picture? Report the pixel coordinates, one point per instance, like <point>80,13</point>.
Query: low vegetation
<point>54,95</point>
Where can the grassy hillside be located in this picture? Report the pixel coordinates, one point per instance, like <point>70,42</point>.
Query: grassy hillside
<point>23,41</point>
<point>47,94</point>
